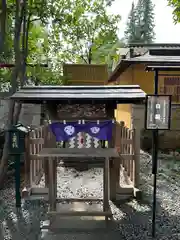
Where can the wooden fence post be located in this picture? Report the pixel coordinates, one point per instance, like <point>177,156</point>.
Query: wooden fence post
<point>25,190</point>
<point>46,172</point>
<point>27,159</point>
<point>136,167</point>
<point>114,168</point>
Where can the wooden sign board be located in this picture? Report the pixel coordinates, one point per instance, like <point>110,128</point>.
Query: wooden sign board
<point>158,112</point>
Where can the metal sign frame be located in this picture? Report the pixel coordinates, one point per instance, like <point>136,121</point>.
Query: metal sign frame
<point>169,97</point>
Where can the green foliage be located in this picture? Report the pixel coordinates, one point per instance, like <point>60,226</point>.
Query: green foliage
<point>130,33</point>
<point>145,14</point>
<point>176,9</point>
<point>79,35</point>
<point>61,31</point>
<point>140,24</point>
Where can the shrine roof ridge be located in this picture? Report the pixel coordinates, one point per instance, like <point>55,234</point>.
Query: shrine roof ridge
<point>79,87</point>
<point>108,93</point>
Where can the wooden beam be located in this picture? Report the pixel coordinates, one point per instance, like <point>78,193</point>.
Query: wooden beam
<point>127,156</point>
<point>39,191</point>
<point>79,200</point>
<point>81,213</point>
<point>36,140</point>
<point>126,141</point>
<point>126,190</point>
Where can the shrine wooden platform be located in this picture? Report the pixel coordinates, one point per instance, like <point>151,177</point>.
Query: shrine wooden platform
<point>53,153</point>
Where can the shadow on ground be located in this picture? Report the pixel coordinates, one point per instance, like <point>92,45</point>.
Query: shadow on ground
<point>25,223</point>
<point>132,219</point>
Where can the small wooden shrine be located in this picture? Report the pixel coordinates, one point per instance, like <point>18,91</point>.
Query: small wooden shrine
<point>85,111</point>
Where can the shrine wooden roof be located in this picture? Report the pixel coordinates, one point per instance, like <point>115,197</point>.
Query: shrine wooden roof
<point>157,54</point>
<point>80,94</point>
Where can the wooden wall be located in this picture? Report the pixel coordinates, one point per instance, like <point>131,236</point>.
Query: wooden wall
<point>85,74</point>
<point>133,115</point>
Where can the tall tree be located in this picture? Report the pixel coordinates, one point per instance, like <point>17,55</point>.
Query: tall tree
<point>130,33</point>
<point>145,18</point>
<point>81,31</point>
<point>85,27</point>
<point>140,27</point>
<point>3,17</point>
<point>18,11</point>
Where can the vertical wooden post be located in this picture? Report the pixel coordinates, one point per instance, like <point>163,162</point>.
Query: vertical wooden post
<point>114,169</point>
<point>132,153</point>
<point>37,152</point>
<point>123,145</point>
<point>114,162</point>
<point>137,126</point>
<point>27,161</point>
<point>40,148</point>
<point>25,190</point>
<point>17,158</point>
<point>55,176</point>
<point>136,162</point>
<point>106,186</point>
<point>31,161</point>
<point>46,172</point>
<point>52,199</point>
<point>128,152</point>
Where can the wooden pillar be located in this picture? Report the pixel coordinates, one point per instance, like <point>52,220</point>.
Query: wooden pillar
<point>137,124</point>
<point>106,186</point>
<point>136,162</point>
<point>46,172</point>
<point>27,161</point>
<point>52,191</point>
<point>114,162</point>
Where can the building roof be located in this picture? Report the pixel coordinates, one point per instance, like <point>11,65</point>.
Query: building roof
<point>80,94</point>
<point>154,45</point>
<point>157,54</point>
<point>162,68</point>
<point>147,58</point>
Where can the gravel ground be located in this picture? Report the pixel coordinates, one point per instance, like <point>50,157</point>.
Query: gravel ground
<point>133,219</point>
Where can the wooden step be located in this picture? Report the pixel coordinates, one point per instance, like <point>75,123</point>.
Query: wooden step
<point>81,213</point>
<point>37,194</point>
<point>75,224</point>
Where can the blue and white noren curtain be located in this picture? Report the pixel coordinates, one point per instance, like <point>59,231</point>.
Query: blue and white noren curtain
<point>63,132</point>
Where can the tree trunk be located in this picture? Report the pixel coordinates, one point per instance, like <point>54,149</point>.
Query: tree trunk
<point>4,159</point>
<point>24,54</point>
<point>3,15</point>
<point>14,84</point>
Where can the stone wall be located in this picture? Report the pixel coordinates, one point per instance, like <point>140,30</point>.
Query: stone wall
<point>30,114</point>
<point>167,139</point>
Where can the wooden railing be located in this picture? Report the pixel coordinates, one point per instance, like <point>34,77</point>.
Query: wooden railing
<point>129,153</point>
<point>34,167</point>
<point>41,137</point>
<point>36,139</point>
